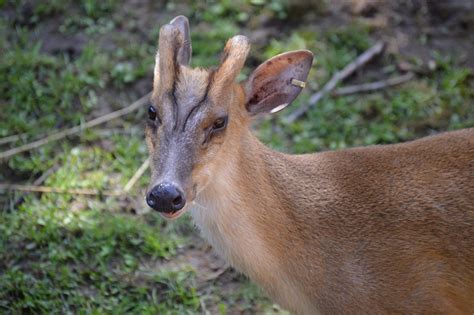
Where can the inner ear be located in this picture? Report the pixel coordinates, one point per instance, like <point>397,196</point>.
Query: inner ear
<point>277,82</point>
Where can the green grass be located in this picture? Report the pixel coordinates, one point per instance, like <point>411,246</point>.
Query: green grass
<point>65,254</point>
<point>58,261</point>
<point>442,100</point>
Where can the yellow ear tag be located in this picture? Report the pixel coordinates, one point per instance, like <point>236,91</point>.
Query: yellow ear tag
<point>298,83</point>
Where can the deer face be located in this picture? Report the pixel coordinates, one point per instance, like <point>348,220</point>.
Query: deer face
<point>185,133</point>
<point>188,119</point>
<point>195,113</point>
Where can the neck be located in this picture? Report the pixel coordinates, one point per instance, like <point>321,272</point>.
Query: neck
<point>228,206</point>
<point>242,215</point>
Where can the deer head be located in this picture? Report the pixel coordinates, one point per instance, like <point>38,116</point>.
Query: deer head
<point>196,113</point>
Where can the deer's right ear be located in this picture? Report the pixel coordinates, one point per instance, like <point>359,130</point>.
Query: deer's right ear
<point>185,51</point>
<point>277,82</point>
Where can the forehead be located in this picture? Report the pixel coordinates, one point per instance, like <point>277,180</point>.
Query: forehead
<point>189,100</point>
<point>190,88</point>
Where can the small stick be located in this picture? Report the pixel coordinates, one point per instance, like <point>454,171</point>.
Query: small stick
<point>336,78</point>
<point>12,138</point>
<point>45,175</point>
<point>37,182</point>
<point>203,306</point>
<point>137,175</point>
<point>218,273</point>
<point>117,131</point>
<point>373,86</point>
<point>67,132</point>
<point>73,191</point>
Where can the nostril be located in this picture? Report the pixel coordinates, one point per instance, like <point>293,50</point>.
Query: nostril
<point>150,200</point>
<point>177,201</point>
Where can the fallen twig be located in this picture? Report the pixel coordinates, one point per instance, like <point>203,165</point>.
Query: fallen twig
<point>45,175</point>
<point>40,180</point>
<point>217,274</point>
<point>137,175</point>
<point>336,78</point>
<point>118,131</point>
<point>373,86</point>
<point>73,191</point>
<point>12,138</point>
<point>67,132</point>
<point>203,306</point>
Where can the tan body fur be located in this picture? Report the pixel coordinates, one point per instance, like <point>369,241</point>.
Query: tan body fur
<point>366,230</point>
<point>380,229</point>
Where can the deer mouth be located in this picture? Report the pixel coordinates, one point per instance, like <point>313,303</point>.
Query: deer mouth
<point>173,215</point>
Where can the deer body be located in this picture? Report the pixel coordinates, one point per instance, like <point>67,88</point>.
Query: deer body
<point>380,229</point>
<point>367,230</point>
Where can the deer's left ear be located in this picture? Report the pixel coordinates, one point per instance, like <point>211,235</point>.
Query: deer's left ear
<point>277,82</point>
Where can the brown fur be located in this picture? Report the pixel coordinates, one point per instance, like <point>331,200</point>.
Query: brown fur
<point>380,229</point>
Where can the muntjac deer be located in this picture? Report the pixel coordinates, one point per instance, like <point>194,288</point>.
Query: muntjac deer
<point>379,229</point>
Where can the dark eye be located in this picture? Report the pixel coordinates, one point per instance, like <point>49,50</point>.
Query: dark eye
<point>151,112</point>
<point>219,124</point>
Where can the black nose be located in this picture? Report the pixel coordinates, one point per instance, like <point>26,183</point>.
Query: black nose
<point>165,197</point>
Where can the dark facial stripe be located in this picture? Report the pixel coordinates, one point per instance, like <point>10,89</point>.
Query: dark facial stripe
<point>175,102</point>
<point>175,81</point>
<point>203,99</point>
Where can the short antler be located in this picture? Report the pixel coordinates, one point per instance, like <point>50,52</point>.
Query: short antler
<point>185,50</point>
<point>233,59</point>
<point>168,45</point>
<point>174,49</point>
